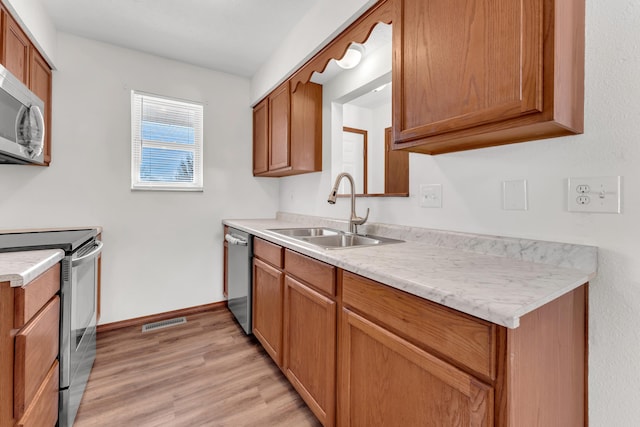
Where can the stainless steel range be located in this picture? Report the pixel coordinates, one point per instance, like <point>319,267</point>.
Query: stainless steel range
<point>78,307</point>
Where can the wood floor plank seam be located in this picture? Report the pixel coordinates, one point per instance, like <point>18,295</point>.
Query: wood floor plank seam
<point>205,372</point>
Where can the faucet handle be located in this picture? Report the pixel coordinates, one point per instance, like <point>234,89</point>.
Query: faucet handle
<point>359,220</point>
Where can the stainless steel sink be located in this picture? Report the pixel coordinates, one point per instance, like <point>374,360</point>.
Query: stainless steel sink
<point>328,238</point>
<point>306,232</point>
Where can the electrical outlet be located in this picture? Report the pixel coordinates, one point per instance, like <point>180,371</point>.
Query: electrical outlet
<point>431,195</point>
<point>594,194</point>
<point>583,188</point>
<point>583,200</point>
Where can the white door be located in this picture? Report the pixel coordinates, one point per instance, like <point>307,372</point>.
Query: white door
<point>353,160</point>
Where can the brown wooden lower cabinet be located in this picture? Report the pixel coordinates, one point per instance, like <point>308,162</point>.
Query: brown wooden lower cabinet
<point>387,381</point>
<point>29,327</point>
<point>310,347</point>
<point>361,353</point>
<point>392,373</point>
<point>267,308</point>
<point>44,410</point>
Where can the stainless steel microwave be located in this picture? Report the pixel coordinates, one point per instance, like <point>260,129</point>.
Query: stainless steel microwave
<point>21,122</point>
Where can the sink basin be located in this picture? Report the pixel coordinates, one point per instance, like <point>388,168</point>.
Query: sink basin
<point>342,241</point>
<point>328,238</point>
<point>306,232</point>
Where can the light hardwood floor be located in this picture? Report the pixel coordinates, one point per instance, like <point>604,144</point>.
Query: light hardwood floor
<point>202,373</point>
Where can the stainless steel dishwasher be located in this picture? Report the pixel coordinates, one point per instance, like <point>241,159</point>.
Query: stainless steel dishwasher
<point>239,276</point>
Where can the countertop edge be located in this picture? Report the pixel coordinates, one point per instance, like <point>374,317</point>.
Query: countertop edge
<point>512,320</point>
<point>21,268</point>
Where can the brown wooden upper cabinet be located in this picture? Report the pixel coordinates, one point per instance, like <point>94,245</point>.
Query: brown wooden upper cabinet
<point>287,135</point>
<point>15,48</point>
<point>261,137</point>
<point>40,84</point>
<point>476,73</point>
<point>22,59</point>
<point>469,74</point>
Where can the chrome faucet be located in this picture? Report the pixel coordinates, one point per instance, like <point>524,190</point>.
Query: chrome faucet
<point>354,220</point>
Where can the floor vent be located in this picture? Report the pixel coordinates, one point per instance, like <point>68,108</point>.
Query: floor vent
<point>163,324</point>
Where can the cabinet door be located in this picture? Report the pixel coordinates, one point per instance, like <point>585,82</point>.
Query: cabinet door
<point>40,84</point>
<point>36,350</point>
<point>267,308</point>
<point>396,167</point>
<point>385,380</point>
<point>305,125</point>
<point>463,63</point>
<point>15,49</point>
<point>261,138</point>
<point>279,138</point>
<point>310,347</point>
<point>44,409</point>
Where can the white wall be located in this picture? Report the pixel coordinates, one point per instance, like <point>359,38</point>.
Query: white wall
<point>320,25</point>
<point>377,149</point>
<point>472,201</point>
<point>35,20</point>
<point>163,250</point>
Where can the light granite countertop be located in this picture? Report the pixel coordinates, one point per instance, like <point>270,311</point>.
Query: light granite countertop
<point>498,279</point>
<point>20,268</point>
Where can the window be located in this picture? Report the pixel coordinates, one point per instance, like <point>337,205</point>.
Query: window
<point>166,143</point>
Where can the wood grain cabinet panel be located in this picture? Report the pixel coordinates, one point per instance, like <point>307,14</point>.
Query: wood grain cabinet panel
<point>269,252</point>
<point>15,48</point>
<point>29,342</point>
<point>287,130</point>
<point>317,274</point>
<point>396,167</point>
<point>36,349</point>
<point>387,381</point>
<point>472,371</point>
<point>268,283</point>
<point>31,298</point>
<point>40,84</point>
<point>261,138</point>
<point>310,347</point>
<point>465,340</point>
<point>43,411</point>
<point>475,73</point>
<point>279,136</point>
<point>306,128</point>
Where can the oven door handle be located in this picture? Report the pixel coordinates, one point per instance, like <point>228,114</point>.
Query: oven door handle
<point>88,257</point>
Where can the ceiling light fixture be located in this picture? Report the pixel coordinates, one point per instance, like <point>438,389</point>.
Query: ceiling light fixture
<point>352,57</point>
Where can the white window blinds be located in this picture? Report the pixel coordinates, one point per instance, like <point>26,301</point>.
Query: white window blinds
<point>166,143</point>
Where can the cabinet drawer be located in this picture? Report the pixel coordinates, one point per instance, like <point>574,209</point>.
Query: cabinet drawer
<point>267,251</point>
<point>318,274</point>
<point>44,409</point>
<point>36,348</point>
<point>32,297</point>
<point>462,339</point>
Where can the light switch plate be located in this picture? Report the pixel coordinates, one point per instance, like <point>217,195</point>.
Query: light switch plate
<point>514,195</point>
<point>431,195</point>
<point>594,194</point>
